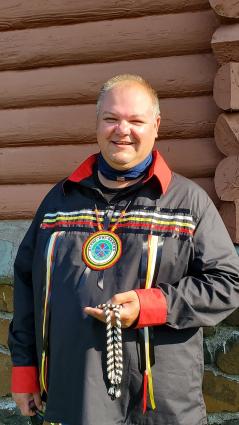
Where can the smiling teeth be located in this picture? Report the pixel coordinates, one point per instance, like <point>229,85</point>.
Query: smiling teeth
<point>122,143</point>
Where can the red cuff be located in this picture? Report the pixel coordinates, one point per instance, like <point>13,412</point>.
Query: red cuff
<point>153,307</point>
<point>25,379</point>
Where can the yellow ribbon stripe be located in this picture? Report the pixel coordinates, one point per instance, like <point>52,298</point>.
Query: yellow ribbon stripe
<point>71,218</point>
<point>43,364</point>
<point>148,368</point>
<point>123,220</point>
<point>48,277</point>
<point>155,221</point>
<point>152,254</point>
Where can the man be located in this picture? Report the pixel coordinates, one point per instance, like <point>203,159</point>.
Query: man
<point>122,229</point>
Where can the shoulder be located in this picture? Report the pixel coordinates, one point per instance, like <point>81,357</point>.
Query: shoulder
<point>55,193</point>
<point>52,200</point>
<point>185,193</point>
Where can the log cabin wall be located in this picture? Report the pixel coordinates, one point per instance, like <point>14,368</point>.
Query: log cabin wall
<point>54,56</point>
<point>225,44</point>
<point>222,365</point>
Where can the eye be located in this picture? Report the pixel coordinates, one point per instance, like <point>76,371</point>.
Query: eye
<point>137,122</point>
<point>110,119</point>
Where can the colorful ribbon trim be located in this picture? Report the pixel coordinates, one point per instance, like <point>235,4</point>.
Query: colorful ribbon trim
<point>172,221</point>
<point>49,268</point>
<point>148,379</point>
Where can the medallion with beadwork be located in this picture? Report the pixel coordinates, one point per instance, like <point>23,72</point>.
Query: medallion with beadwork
<point>102,250</point>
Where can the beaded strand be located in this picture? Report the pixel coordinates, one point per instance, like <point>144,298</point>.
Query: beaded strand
<point>114,349</point>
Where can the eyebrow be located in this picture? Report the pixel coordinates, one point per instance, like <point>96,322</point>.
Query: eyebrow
<point>131,116</point>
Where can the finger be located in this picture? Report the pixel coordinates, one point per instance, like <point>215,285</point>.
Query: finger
<point>97,313</point>
<point>37,400</point>
<point>22,402</point>
<point>129,314</point>
<point>25,406</point>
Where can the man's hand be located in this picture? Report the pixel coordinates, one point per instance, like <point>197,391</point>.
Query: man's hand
<point>22,400</point>
<point>128,314</point>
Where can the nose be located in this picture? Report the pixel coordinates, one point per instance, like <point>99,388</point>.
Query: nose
<point>123,127</point>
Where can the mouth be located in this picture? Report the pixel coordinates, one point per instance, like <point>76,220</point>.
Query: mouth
<point>121,142</point>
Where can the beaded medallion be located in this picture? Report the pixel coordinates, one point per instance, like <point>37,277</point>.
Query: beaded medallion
<point>102,250</point>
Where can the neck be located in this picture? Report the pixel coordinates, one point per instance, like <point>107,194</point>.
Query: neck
<point>134,173</point>
<point>114,184</point>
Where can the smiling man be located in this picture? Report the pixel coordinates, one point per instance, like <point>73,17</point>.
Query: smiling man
<point>122,240</point>
<point>127,124</point>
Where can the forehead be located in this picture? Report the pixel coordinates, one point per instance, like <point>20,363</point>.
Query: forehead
<point>129,97</point>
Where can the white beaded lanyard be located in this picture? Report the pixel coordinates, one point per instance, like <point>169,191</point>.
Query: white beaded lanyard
<point>114,349</point>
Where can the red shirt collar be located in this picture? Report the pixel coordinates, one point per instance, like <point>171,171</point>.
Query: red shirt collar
<point>158,169</point>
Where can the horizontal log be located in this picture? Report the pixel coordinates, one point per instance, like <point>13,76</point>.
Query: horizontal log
<point>56,12</point>
<point>228,9</point>
<point>21,201</point>
<point>191,157</point>
<point>181,118</point>
<point>225,43</point>
<point>226,87</point>
<point>49,164</point>
<point>229,212</point>
<point>108,41</point>
<point>174,76</point>
<point>42,164</point>
<point>227,133</point>
<point>227,179</point>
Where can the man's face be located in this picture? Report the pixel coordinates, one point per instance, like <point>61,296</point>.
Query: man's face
<point>126,125</point>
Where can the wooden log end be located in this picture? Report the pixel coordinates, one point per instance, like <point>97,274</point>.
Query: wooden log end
<point>226,87</point>
<point>227,179</point>
<point>229,212</point>
<point>225,43</point>
<point>226,133</point>
<point>226,10</point>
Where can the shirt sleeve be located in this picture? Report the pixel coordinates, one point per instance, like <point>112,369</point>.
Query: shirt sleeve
<point>25,379</point>
<point>210,290</point>
<point>21,340</point>
<point>153,307</point>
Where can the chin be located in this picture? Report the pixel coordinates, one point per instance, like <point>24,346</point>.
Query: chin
<point>121,163</point>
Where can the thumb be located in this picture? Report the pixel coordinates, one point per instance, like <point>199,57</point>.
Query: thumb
<point>37,400</point>
<point>124,297</point>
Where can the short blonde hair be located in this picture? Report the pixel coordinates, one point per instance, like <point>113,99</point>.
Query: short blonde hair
<point>124,78</point>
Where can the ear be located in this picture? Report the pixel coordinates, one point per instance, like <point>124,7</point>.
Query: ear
<point>157,124</point>
<point>158,120</point>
